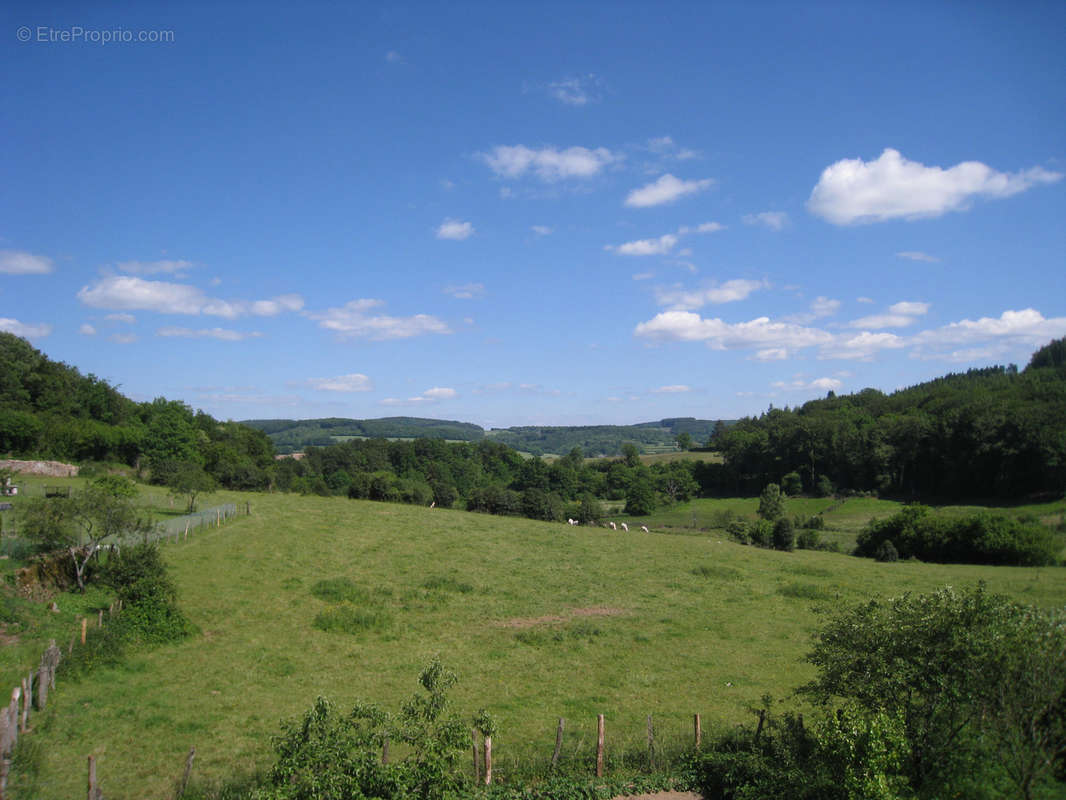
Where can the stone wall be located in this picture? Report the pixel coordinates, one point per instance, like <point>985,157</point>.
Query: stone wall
<point>51,469</point>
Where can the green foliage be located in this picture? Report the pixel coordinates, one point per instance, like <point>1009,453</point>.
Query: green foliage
<point>116,485</point>
<point>340,590</point>
<point>886,551</point>
<point>792,484</point>
<point>187,479</point>
<point>760,532</point>
<point>139,579</point>
<point>973,679</point>
<point>351,620</point>
<point>784,535</point>
<point>1052,355</point>
<point>980,539</point>
<point>640,498</point>
<point>326,756</point>
<point>771,502</point>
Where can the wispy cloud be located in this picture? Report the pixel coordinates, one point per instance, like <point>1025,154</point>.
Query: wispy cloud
<point>87,330</point>
<point>351,321</point>
<point>578,91</point>
<point>680,299</point>
<point>468,291</point>
<point>23,329</point>
<point>666,189</point>
<point>645,247</point>
<point>434,395</point>
<point>915,255</point>
<point>853,191</point>
<point>899,315</point>
<point>549,164</point>
<point>774,220</point>
<point>541,230</point>
<point>353,382</point>
<point>18,262</point>
<point>455,229</point>
<point>677,388</point>
<point>154,267</point>
<point>221,334</point>
<point>137,294</point>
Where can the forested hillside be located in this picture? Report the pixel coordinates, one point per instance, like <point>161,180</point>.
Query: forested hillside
<point>993,432</point>
<point>48,409</point>
<point>293,435</point>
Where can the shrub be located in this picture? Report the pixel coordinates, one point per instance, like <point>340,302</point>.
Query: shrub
<point>771,502</point>
<point>149,599</point>
<point>808,539</point>
<point>792,484</point>
<point>761,533</point>
<point>886,551</point>
<point>824,487</point>
<point>784,535</point>
<point>738,529</point>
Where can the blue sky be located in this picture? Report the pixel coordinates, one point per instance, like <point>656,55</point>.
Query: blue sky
<point>521,213</point>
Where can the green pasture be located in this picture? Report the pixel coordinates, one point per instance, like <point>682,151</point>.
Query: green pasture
<point>314,596</point>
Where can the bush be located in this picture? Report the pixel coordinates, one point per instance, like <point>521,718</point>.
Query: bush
<point>149,600</point>
<point>761,533</point>
<point>792,484</point>
<point>824,487</point>
<point>808,539</point>
<point>784,535</point>
<point>738,529</point>
<point>886,551</point>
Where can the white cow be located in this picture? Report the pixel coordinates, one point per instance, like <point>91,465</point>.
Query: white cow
<point>613,526</point>
<point>625,527</point>
<point>644,528</point>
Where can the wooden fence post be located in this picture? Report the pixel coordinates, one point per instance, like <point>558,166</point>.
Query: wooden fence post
<point>558,742</point>
<point>24,716</point>
<point>488,760</point>
<point>94,790</point>
<point>385,751</point>
<point>651,743</point>
<point>185,776</point>
<point>84,628</point>
<point>100,619</point>
<point>698,730</point>
<point>477,767</point>
<point>599,745</point>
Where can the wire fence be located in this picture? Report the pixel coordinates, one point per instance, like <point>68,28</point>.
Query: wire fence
<point>189,523</point>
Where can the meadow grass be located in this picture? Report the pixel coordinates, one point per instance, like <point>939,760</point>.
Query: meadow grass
<point>540,621</point>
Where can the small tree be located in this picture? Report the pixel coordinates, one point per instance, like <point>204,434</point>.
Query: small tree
<point>792,484</point>
<point>190,481</point>
<point>79,524</point>
<point>640,498</point>
<point>684,440</point>
<point>771,503</point>
<point>784,535</point>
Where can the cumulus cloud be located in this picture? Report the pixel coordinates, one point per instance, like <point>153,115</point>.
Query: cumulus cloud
<point>774,220</point>
<point>351,321</point>
<point>818,384</point>
<point>916,255</point>
<point>645,247</point>
<point>548,163</point>
<point>154,267</point>
<point>440,393</point>
<point>820,307</point>
<point>353,382</point>
<point>23,329</point>
<point>861,347</point>
<point>1027,327</point>
<point>222,334</point>
<point>679,299</point>
<point>129,319</point>
<point>665,190</point>
<point>676,388</point>
<point>665,148</point>
<point>138,294</point>
<point>771,354</point>
<point>759,334</point>
<point>17,262</point>
<point>455,229</point>
<point>853,191</point>
<point>87,330</point>
<point>899,315</point>
<point>704,227</point>
<point>468,291</point>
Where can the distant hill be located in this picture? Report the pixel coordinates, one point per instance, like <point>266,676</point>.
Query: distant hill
<point>291,436</point>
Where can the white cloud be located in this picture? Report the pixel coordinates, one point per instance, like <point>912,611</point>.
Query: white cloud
<point>646,247</point>
<point>87,330</point>
<point>643,276</point>
<point>129,319</point>
<point>676,388</point>
<point>864,300</point>
<point>548,163</point>
<point>899,315</point>
<point>853,191</point>
<point>665,148</point>
<point>860,347</point>
<point>705,227</point>
<point>820,307</point>
<point>665,190</point>
<point>915,255</point>
<point>353,382</point>
<point>222,334</point>
<point>351,321</point>
<point>434,395</point>
<point>679,299</point>
<point>455,229</point>
<point>123,338</point>
<point>16,262</point>
<point>576,91</point>
<point>1026,327</point>
<point>772,354</point>
<point>137,294</point>
<point>25,330</point>
<point>468,291</point>
<point>774,220</point>
<point>760,333</point>
<point>819,384</point>
<point>440,393</point>
<point>541,230</point>
<point>154,267</point>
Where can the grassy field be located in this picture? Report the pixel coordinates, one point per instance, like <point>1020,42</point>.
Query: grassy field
<point>540,620</point>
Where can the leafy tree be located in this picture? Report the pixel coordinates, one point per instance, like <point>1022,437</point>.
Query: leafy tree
<point>963,672</point>
<point>771,503</point>
<point>684,440</point>
<point>784,535</point>
<point>631,454</point>
<point>79,524</point>
<point>640,498</point>
<point>792,484</point>
<point>117,485</point>
<point>190,481</point>
<point>589,510</point>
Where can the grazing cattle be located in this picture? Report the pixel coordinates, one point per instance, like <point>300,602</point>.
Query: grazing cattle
<point>644,528</point>
<point>625,527</point>
<point>613,526</point>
